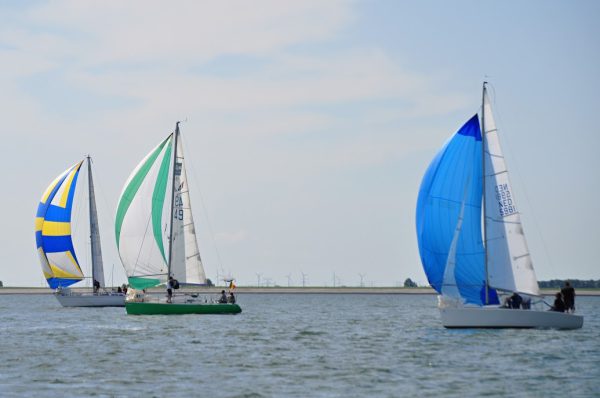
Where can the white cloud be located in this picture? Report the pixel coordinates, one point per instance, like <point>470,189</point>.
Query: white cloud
<point>260,137</point>
<point>184,31</point>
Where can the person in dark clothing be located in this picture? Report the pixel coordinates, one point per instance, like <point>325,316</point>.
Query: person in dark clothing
<point>231,298</point>
<point>223,299</point>
<point>96,286</point>
<point>559,304</point>
<point>568,295</point>
<point>515,301</point>
<point>170,289</point>
<point>526,303</point>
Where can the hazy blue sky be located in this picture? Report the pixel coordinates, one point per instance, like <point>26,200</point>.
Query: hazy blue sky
<point>310,123</point>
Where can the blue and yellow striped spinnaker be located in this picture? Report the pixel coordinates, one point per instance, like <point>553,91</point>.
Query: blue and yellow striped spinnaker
<point>53,231</point>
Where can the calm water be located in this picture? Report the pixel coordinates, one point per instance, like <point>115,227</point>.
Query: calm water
<point>288,346</point>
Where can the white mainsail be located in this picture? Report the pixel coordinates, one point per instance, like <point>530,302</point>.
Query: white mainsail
<point>186,264</point>
<point>508,260</point>
<point>96,249</point>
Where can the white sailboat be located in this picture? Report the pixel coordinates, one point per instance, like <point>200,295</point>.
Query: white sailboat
<point>465,269</point>
<point>156,236</point>
<point>55,244</point>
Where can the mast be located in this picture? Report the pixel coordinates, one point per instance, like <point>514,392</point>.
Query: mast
<point>96,250</point>
<point>175,138</point>
<point>487,290</point>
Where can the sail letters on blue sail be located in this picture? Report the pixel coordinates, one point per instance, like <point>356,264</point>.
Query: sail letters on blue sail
<point>454,178</point>
<point>53,231</point>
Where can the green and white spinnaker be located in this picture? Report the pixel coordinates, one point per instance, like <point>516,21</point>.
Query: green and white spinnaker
<point>153,205</point>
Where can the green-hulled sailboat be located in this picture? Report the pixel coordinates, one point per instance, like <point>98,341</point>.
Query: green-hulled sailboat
<point>156,237</point>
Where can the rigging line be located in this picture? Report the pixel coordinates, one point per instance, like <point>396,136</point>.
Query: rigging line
<point>210,228</point>
<point>523,186</point>
<point>501,221</point>
<point>142,245</point>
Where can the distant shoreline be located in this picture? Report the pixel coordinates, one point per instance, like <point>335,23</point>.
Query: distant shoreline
<point>286,290</point>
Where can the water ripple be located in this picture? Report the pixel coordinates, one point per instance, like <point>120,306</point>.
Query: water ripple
<point>295,346</point>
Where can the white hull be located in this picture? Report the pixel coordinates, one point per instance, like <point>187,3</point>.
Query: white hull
<point>494,317</point>
<point>91,300</point>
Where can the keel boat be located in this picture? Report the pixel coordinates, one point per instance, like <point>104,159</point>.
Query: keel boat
<point>467,261</point>
<point>156,236</point>
<point>55,244</point>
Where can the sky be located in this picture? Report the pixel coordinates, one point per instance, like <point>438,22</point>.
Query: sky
<point>308,124</point>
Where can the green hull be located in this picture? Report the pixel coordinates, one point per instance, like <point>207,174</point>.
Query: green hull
<point>179,309</point>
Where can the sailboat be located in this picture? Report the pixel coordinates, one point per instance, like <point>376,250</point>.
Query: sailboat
<point>156,236</point>
<point>55,244</point>
<point>466,265</point>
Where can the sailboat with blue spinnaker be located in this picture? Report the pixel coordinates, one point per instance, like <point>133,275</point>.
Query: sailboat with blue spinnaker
<point>468,260</point>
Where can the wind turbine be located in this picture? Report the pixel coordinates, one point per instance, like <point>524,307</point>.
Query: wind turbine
<point>362,277</point>
<point>258,275</point>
